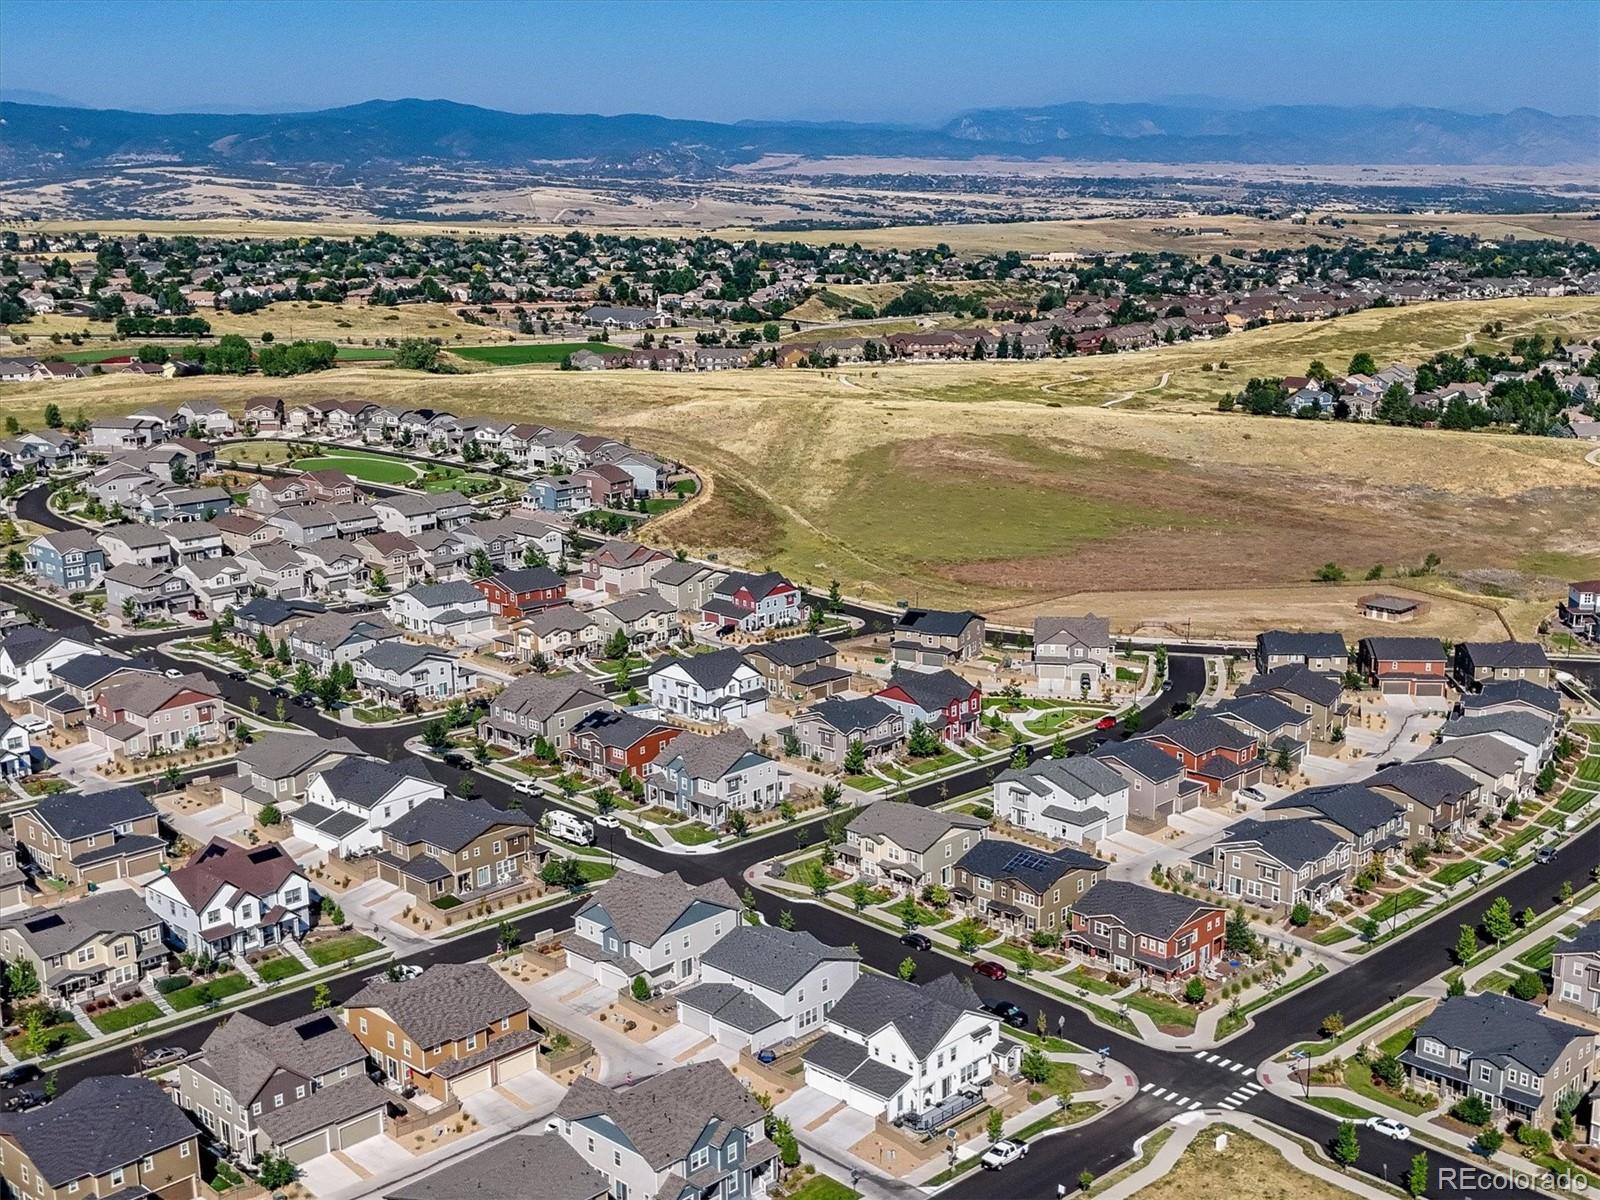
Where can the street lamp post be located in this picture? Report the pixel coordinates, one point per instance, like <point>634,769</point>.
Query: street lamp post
<point>1304,1060</point>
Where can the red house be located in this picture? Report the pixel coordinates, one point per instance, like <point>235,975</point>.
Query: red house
<point>608,485</point>
<point>1404,666</point>
<point>613,742</point>
<point>512,594</point>
<point>942,700</point>
<point>1137,929</point>
<point>1214,754</point>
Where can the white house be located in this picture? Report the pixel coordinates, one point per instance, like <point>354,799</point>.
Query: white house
<point>1072,655</point>
<point>397,672</point>
<point>348,805</point>
<point>893,1049</point>
<point>651,926</point>
<point>1069,799</point>
<point>28,655</point>
<point>717,688</point>
<point>230,899</point>
<point>452,610</point>
<point>706,778</point>
<point>760,985</point>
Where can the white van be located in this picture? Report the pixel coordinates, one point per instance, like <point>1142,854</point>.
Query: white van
<point>569,828</point>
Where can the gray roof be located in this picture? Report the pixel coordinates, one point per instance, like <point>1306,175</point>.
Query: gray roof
<point>1504,654</point>
<point>923,1015</point>
<point>86,670</point>
<point>848,1060</point>
<point>558,618</point>
<point>137,535</point>
<point>1484,752</point>
<point>708,757</point>
<point>1140,758</point>
<point>400,657</point>
<point>795,651</point>
<point>931,691</point>
<point>280,755</point>
<point>1260,711</point>
<point>1081,778</point>
<point>1428,783</point>
<point>851,716</point>
<point>1513,691</point>
<point>708,670</point>
<point>1293,842</point>
<point>1528,727</point>
<point>1414,649</point>
<point>1277,643</point>
<point>935,622</point>
<point>447,1002</point>
<point>27,642</point>
<point>675,573</point>
<point>643,907</point>
<point>773,958</point>
<point>1200,733</point>
<point>365,781</point>
<point>1351,806</point>
<point>1501,1029</point>
<point>640,604</point>
<point>617,730</point>
<point>450,823</point>
<point>1297,680</point>
<point>77,814</point>
<point>446,595</point>
<point>1142,909</point>
<point>1585,941</point>
<point>64,928</point>
<point>909,826</point>
<point>1090,631</point>
<point>100,1123</point>
<point>541,698</point>
<point>242,1053</point>
<point>523,1167</point>
<point>342,1100</point>
<point>665,1116</point>
<point>731,1005</point>
<point>1037,870</point>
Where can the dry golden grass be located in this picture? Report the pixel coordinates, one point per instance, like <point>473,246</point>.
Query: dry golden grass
<point>289,320</point>
<point>1248,1167</point>
<point>1006,487</point>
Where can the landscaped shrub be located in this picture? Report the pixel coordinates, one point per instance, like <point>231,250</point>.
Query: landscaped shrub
<point>172,983</point>
<point>1534,1138</point>
<point>1471,1109</point>
<point>1388,1071</point>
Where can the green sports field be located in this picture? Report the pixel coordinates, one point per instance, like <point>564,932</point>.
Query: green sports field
<point>370,468</point>
<point>510,356</point>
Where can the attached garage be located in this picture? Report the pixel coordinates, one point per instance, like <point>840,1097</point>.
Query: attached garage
<point>472,1083</point>
<point>515,1054</point>
<point>1396,687</point>
<point>329,1119</point>
<point>309,1147</point>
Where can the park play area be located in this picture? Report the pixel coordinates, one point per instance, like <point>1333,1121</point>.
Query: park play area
<point>396,472</point>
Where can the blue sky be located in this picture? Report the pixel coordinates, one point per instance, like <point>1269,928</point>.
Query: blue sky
<point>866,60</point>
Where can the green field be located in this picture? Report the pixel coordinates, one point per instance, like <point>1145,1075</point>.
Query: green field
<point>511,356</point>
<point>370,468</point>
<point>363,354</point>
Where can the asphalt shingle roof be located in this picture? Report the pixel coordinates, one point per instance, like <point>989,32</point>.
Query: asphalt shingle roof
<point>1037,870</point>
<point>100,1123</point>
<point>641,908</point>
<point>242,1053</point>
<point>1297,680</point>
<point>1504,654</point>
<point>1293,842</point>
<point>931,691</point>
<point>1140,758</point>
<point>1276,643</point>
<point>523,1167</point>
<point>773,958</point>
<point>1350,806</point>
<point>850,716</point>
<point>908,825</point>
<point>76,814</point>
<point>796,651</point>
<point>447,1002</point>
<point>665,1116</point>
<point>1145,910</point>
<point>1428,783</point>
<point>365,781</point>
<point>1501,1029</point>
<point>923,1015</point>
<point>707,670</point>
<point>934,622</point>
<point>450,823</point>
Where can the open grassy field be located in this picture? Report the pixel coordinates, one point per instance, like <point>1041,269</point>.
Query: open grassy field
<point>535,352</point>
<point>294,319</point>
<point>370,468</point>
<point>1248,1167</point>
<point>1008,487</point>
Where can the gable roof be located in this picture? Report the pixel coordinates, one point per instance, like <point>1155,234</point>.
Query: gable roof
<point>399,657</point>
<point>618,730</point>
<point>908,825</point>
<point>278,755</point>
<point>851,715</point>
<point>28,642</point>
<point>1528,727</point>
<point>254,870</point>
<point>1501,1029</point>
<point>709,757</point>
<point>365,781</point>
<point>665,1116</point>
<point>1146,910</point>
<point>641,908</point>
<point>1140,758</point>
<point>525,1166</point>
<point>794,651</point>
<point>1082,778</point>
<point>448,1001</point>
<point>923,1015</point>
<point>771,957</point>
<point>930,691</point>
<point>1200,733</point>
<point>1513,691</point>
<point>1296,679</point>
<point>541,698</point>
<point>1504,654</point>
<point>451,823</point>
<point>1037,870</point>
<point>100,1123</point>
<point>1351,806</point>
<point>1089,631</point>
<point>1276,643</point>
<point>1429,649</point>
<point>243,1053</point>
<point>1261,711</point>
<point>52,931</point>
<point>1428,783</point>
<point>934,622</point>
<point>759,586</point>
<point>73,815</point>
<point>1294,842</point>
<point>527,579</point>
<point>707,670</point>
<point>1483,752</point>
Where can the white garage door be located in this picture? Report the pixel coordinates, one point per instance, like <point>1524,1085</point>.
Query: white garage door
<point>694,1018</point>
<point>471,1084</point>
<point>519,1063</point>
<point>307,1148</point>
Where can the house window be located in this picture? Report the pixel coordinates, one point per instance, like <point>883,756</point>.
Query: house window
<point>116,1177</point>
<point>363,1024</point>
<point>472,1042</point>
<point>505,1023</point>
<point>183,1150</point>
<point>699,1158</point>
<point>389,1036</point>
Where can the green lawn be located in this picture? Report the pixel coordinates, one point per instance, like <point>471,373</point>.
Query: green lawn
<point>820,1187</point>
<point>1333,935</point>
<point>1079,978</point>
<point>511,356</point>
<point>54,1037</point>
<point>371,468</point>
<point>1573,800</point>
<point>1383,1014</point>
<point>363,354</point>
<point>799,871</point>
<point>1399,1039</point>
<point>865,783</point>
<point>447,479</point>
<point>1496,981</point>
<point>1341,1108</point>
<point>1456,872</point>
<point>595,872</point>
<point>1358,1078</point>
<point>285,966</point>
<point>337,949</point>
<point>126,1017</point>
<point>1521,838</point>
<point>692,833</point>
<point>1537,957</point>
<point>1161,1010</point>
<point>1391,906</point>
<point>200,994</point>
<point>922,766</point>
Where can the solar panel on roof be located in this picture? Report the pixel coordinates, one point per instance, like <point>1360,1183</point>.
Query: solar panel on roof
<point>1027,860</point>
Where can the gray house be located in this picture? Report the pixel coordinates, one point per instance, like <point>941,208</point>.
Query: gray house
<point>1478,663</point>
<point>1504,1051</point>
<point>1575,973</point>
<point>1324,653</point>
<point>925,637</point>
<point>1157,785</point>
<point>68,559</point>
<point>276,768</point>
<point>1277,864</point>
<point>1072,655</point>
<point>827,728</point>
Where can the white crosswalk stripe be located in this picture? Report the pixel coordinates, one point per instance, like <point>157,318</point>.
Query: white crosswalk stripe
<point>1147,1087</point>
<point>1227,1106</point>
<point>1184,1101</point>
<point>1194,1104</point>
<point>1203,1054</point>
<point>1240,1067</point>
<point>1211,1058</point>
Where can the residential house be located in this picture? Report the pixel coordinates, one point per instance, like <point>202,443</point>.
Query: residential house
<point>1072,656</point>
<point>193,540</point>
<point>686,585</point>
<point>138,716</point>
<point>401,674</point>
<point>72,560</point>
<point>1504,1051</point>
<point>609,486</point>
<point>443,610</point>
<point>1496,765</point>
<point>1317,695</point>
<point>559,635</point>
<point>930,638</point>
<point>609,742</point>
<point>717,688</point>
<point>112,432</point>
<point>1478,663</point>
<point>751,603</point>
<point>16,747</point>
<point>1373,823</point>
<point>350,802</point>
<point>1404,666</point>
<point>275,569</point>
<point>413,514</point>
<point>103,943</point>
<point>694,1130</point>
<point>1282,733</point>
<point>644,618</point>
<point>1575,973</point>
<point>455,1031</point>
<point>106,1136</point>
<point>1277,863</point>
<point>397,556</point>
<point>146,593</point>
<point>709,778</point>
<point>760,985</point>
<point>30,655</point>
<point>617,568</point>
<point>1324,653</point>
<point>1216,755</point>
<point>1142,931</point>
<point>518,593</point>
<point>277,769</point>
<point>299,1089</point>
<point>532,709</point>
<point>178,504</point>
<point>1020,889</point>
<point>1511,695</point>
<point>1581,609</point>
<point>1157,784</point>
<point>906,846</point>
<point>136,544</point>
<point>273,617</point>
<point>544,1166</point>
<point>1440,801</point>
<point>114,834</point>
<point>657,927</point>
<point>338,637</point>
<point>557,493</point>
<point>828,729</point>
<point>1533,735</point>
<point>219,584</point>
<point>465,848</point>
<point>945,702</point>
<point>894,1050</point>
<point>801,669</point>
<point>1078,800</point>
<point>333,568</point>
<point>231,900</point>
<point>66,705</point>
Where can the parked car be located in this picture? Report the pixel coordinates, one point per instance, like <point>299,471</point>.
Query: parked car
<point>1001,1153</point>
<point>917,941</point>
<point>990,969</point>
<point>401,972</point>
<point>278,692</point>
<point>306,700</point>
<point>1389,1127</point>
<point>458,760</point>
<point>527,787</point>
<point>238,675</point>
<point>162,1056</point>
<point>1544,854</point>
<point>22,1101</point>
<point>608,821</point>
<point>568,827</point>
<point>1106,722</point>
<point>1013,1015</point>
<point>173,673</point>
<point>1252,793</point>
<point>17,1076</point>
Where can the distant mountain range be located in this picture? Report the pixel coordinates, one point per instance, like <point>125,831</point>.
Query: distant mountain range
<point>41,140</point>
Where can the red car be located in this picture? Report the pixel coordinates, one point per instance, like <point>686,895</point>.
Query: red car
<point>1106,723</point>
<point>990,969</point>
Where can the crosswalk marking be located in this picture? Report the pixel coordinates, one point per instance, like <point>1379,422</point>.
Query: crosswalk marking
<point>1202,1054</point>
<point>1211,1058</point>
<point>1240,1067</point>
<point>1194,1104</point>
<point>1147,1087</point>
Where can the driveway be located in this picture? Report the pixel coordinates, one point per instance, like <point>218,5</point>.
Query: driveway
<point>325,1175</point>
<point>380,904</point>
<point>207,823</point>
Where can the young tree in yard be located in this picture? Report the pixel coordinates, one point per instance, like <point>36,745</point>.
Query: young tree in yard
<point>1058,747</point>
<point>380,580</point>
<point>1085,1180</point>
<point>329,693</point>
<point>1368,928</point>
<point>1527,985</point>
<point>995,1127</point>
<point>1498,922</point>
<point>1490,1140</point>
<point>216,632</point>
<point>276,1171</point>
<point>1529,917</point>
<point>1387,1070</point>
<point>907,968</point>
<point>786,919</point>
<point>818,880</point>
<point>507,937</point>
<point>1195,990</point>
<point>1565,893</point>
<point>1238,937</point>
<point>906,910</point>
<point>1456,987</point>
<point>1346,1149</point>
<point>269,816</point>
<point>1417,1176</point>
<point>263,646</point>
<point>1300,915</point>
<point>1027,960</point>
<point>860,895</point>
<point>1035,1066</point>
<point>1466,944</point>
<point>967,937</point>
<point>832,793</point>
<point>1019,758</point>
<point>1332,1025</point>
<point>641,988</point>
<point>320,998</point>
<point>739,823</point>
<point>617,645</point>
<point>22,981</point>
<point>855,757</point>
<point>436,737</point>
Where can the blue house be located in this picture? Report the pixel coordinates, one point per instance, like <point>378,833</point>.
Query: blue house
<point>69,559</point>
<point>548,493</point>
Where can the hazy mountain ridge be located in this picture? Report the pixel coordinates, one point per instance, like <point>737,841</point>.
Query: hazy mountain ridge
<point>39,139</point>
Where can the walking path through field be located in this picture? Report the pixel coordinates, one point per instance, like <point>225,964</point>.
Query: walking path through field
<point>1116,400</point>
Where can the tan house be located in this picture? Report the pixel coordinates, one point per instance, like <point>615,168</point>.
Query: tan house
<point>116,836</point>
<point>464,848</point>
<point>1021,889</point>
<point>107,1135</point>
<point>559,635</point>
<point>454,1031</point>
<point>803,669</point>
<point>906,846</point>
<point>95,946</point>
<point>925,637</point>
<point>138,716</point>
